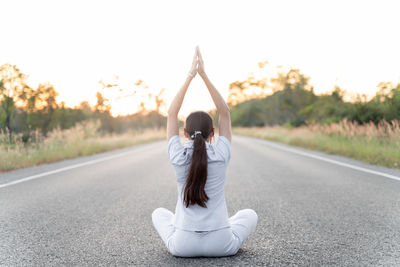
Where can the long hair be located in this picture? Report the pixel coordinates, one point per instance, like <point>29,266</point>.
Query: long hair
<point>194,188</point>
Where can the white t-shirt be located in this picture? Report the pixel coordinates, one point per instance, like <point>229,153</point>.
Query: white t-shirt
<point>195,217</point>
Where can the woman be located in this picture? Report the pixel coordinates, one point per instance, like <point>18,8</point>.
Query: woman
<point>200,225</point>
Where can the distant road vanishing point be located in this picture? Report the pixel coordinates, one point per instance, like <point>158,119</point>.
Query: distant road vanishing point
<point>314,209</point>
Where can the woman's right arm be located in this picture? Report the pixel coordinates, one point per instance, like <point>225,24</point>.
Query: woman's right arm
<point>173,110</point>
<point>224,121</point>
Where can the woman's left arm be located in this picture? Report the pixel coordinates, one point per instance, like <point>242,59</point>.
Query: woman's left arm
<point>172,120</point>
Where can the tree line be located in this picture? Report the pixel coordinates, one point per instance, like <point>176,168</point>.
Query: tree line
<point>292,102</point>
<point>286,99</point>
<point>24,109</point>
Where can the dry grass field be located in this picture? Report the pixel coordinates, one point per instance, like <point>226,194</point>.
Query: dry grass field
<point>375,144</point>
<point>81,140</point>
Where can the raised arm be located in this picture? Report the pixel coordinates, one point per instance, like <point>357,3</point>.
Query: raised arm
<point>172,120</point>
<point>224,122</point>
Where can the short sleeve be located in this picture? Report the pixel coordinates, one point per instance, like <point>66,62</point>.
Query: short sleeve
<point>224,148</point>
<point>175,149</point>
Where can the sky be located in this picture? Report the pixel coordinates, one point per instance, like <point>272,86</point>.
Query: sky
<point>75,44</point>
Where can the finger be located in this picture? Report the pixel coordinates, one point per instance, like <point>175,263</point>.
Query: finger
<point>199,55</point>
<point>198,52</point>
<point>195,61</point>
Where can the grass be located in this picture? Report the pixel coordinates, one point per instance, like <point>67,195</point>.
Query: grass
<point>378,145</point>
<point>373,144</point>
<point>81,140</point>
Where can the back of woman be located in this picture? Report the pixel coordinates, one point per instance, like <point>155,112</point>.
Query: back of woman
<point>200,225</point>
<point>196,217</point>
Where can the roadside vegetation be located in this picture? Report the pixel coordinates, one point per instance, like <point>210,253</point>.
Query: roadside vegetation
<point>279,105</point>
<point>81,140</point>
<point>376,144</point>
<point>290,101</point>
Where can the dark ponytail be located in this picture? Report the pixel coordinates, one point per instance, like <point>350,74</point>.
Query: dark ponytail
<point>198,126</point>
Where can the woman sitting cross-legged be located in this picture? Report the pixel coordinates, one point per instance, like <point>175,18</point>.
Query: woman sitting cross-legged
<point>200,225</point>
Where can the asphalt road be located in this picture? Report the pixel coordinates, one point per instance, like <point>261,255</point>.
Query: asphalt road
<point>96,211</point>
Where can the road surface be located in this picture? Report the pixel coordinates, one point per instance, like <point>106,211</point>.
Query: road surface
<point>313,208</point>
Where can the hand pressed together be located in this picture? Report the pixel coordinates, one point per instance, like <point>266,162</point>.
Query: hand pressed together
<point>197,64</point>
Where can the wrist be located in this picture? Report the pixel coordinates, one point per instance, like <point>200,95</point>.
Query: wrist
<point>189,78</point>
<point>203,75</point>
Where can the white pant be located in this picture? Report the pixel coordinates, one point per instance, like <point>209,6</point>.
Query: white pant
<point>217,243</point>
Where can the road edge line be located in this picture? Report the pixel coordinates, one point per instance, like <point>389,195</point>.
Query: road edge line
<point>299,152</point>
<point>40,175</point>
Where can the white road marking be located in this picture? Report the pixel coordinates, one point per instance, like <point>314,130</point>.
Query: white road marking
<point>295,151</point>
<point>40,175</point>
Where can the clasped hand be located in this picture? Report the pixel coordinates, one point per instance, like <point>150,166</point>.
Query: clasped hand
<point>197,64</point>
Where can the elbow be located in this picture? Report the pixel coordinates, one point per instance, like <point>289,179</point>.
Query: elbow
<point>172,112</point>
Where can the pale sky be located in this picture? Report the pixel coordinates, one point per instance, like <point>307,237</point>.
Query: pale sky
<point>74,44</point>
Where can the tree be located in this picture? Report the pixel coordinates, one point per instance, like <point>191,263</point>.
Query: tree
<point>160,102</point>
<point>240,91</point>
<point>48,97</point>
<point>41,107</point>
<point>85,106</point>
<point>327,108</point>
<point>292,93</point>
<point>102,105</point>
<point>13,89</point>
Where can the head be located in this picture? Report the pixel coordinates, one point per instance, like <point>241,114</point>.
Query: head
<point>199,128</point>
<point>199,121</point>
